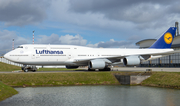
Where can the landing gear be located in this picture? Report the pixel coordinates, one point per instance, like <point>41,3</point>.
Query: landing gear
<point>91,69</point>
<point>34,70</point>
<point>26,68</point>
<point>105,69</point>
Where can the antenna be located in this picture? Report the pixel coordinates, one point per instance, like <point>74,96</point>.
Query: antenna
<point>33,36</point>
<point>13,44</point>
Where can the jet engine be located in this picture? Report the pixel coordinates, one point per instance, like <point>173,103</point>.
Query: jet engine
<point>71,67</point>
<point>97,64</point>
<point>131,61</point>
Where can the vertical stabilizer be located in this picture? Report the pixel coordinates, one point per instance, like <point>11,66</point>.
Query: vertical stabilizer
<point>165,41</point>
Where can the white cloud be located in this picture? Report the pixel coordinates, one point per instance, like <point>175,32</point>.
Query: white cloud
<point>136,12</point>
<point>93,45</point>
<point>114,19</point>
<point>52,39</point>
<point>60,12</point>
<point>6,38</point>
<point>66,39</point>
<point>73,40</point>
<point>113,44</point>
<point>79,40</point>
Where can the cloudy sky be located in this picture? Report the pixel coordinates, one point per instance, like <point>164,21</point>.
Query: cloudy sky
<point>93,23</point>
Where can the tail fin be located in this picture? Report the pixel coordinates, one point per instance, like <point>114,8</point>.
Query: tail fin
<point>165,41</point>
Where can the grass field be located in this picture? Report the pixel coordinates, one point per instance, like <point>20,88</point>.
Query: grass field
<point>7,67</point>
<point>163,79</point>
<point>6,91</point>
<point>57,79</point>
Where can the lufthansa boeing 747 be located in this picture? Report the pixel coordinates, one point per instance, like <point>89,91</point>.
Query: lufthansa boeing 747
<point>71,56</point>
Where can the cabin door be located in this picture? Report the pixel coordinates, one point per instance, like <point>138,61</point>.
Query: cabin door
<point>33,56</point>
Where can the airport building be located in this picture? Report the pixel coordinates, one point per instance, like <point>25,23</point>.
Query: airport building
<point>167,61</point>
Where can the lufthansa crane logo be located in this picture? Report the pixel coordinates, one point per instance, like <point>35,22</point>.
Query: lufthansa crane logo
<point>168,38</point>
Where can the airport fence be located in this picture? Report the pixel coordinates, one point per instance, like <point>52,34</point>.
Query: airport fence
<point>3,60</point>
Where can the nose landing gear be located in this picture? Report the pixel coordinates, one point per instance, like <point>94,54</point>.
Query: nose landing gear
<point>26,68</point>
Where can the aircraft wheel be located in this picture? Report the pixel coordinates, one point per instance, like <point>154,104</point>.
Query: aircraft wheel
<point>25,70</point>
<point>108,69</point>
<point>101,69</point>
<point>105,69</point>
<point>22,68</point>
<point>91,69</point>
<point>33,70</point>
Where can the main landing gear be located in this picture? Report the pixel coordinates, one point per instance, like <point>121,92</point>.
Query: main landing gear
<point>105,69</point>
<point>26,68</point>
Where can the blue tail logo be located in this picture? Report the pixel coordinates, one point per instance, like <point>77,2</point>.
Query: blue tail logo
<point>165,41</point>
<point>168,38</point>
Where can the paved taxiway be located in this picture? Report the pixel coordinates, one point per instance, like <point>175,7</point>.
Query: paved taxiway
<point>124,69</point>
<point>140,69</point>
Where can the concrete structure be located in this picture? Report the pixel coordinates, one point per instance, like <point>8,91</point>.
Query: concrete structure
<point>137,79</point>
<point>131,79</point>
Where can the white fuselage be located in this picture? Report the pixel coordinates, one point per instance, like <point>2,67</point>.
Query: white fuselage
<point>71,55</point>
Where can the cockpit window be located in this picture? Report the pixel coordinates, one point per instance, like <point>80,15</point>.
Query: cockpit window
<point>20,47</point>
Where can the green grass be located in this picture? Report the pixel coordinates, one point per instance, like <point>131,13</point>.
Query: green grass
<point>6,91</point>
<point>163,79</point>
<point>57,79</point>
<point>7,67</point>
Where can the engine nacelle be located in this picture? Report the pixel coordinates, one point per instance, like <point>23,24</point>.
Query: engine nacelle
<point>71,67</point>
<point>131,61</point>
<point>97,64</point>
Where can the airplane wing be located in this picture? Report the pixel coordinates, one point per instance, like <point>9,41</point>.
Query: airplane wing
<point>113,59</point>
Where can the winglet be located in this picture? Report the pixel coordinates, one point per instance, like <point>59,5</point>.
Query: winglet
<point>165,41</point>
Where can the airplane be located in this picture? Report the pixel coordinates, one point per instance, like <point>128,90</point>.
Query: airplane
<point>72,56</point>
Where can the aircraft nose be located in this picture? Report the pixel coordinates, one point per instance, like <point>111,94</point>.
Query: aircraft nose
<point>6,56</point>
